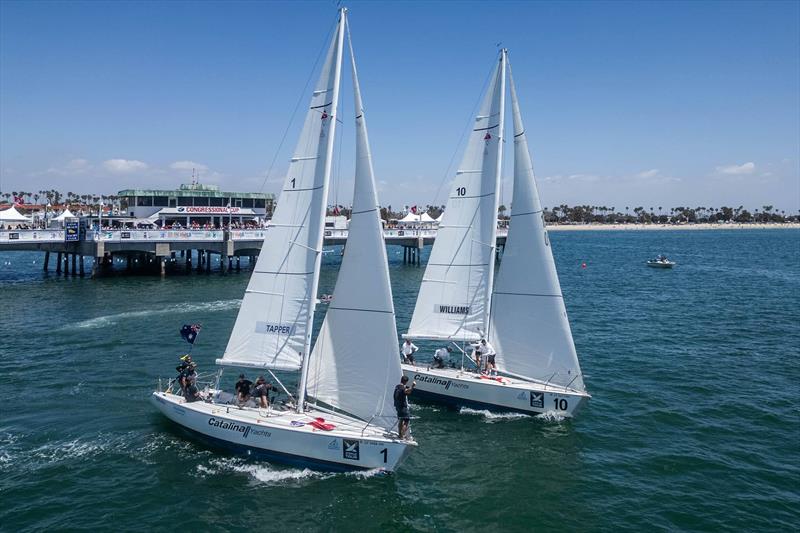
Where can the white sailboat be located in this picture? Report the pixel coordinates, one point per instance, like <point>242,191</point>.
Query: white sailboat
<point>348,378</point>
<point>524,317</point>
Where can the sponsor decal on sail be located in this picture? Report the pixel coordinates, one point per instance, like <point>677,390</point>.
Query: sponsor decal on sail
<point>451,309</point>
<point>274,329</point>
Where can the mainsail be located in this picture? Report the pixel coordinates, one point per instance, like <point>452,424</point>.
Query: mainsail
<point>529,326</point>
<point>354,363</point>
<point>273,328</point>
<point>454,297</point>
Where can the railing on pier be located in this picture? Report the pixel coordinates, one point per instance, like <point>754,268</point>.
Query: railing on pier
<point>157,235</point>
<point>32,236</point>
<point>218,235</point>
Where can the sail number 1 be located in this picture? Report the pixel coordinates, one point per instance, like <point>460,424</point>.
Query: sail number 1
<point>385,453</point>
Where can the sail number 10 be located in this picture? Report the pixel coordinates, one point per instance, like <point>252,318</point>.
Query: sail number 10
<point>560,404</point>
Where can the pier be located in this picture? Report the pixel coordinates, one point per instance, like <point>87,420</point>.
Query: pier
<point>155,249</point>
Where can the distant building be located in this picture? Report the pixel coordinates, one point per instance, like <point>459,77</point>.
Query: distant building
<point>196,203</point>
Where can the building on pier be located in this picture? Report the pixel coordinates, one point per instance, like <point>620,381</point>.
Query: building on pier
<point>196,203</point>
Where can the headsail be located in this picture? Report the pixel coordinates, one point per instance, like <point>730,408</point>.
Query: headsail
<point>454,298</point>
<point>355,363</point>
<point>273,328</point>
<point>529,326</point>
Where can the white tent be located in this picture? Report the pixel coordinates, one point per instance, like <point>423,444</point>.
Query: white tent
<point>439,218</point>
<point>65,215</point>
<point>411,218</point>
<point>11,215</point>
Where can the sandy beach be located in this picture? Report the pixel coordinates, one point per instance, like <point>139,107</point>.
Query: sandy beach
<point>668,227</point>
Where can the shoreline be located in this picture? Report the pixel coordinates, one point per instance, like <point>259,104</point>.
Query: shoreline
<point>669,227</point>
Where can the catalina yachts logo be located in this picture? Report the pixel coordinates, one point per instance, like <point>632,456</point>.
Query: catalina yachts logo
<point>230,426</point>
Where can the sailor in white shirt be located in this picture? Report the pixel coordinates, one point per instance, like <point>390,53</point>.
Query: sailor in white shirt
<point>484,356</point>
<point>440,355</point>
<point>408,350</point>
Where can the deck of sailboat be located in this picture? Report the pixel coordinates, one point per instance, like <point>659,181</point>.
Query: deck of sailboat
<point>500,381</point>
<point>280,417</point>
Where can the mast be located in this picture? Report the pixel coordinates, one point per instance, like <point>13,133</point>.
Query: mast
<point>454,296</point>
<point>354,363</point>
<point>301,391</point>
<point>529,325</point>
<point>498,176</point>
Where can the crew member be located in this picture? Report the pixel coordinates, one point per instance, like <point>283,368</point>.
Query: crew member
<point>401,394</point>
<point>191,394</point>
<point>439,356</point>
<point>182,367</point>
<point>243,390</point>
<point>262,391</point>
<point>488,350</point>
<point>408,350</point>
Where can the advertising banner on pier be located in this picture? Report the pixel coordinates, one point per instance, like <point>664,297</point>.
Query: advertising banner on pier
<point>71,231</point>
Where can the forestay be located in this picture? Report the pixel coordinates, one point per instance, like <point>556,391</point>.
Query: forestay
<point>454,297</point>
<point>273,328</point>
<point>354,364</point>
<point>529,326</point>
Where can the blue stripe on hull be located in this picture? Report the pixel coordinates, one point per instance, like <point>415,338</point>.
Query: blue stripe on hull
<point>297,461</point>
<point>451,401</point>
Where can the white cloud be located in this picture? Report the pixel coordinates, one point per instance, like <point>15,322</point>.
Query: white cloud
<point>188,165</point>
<point>124,166</point>
<point>70,168</point>
<point>745,168</point>
<point>652,173</point>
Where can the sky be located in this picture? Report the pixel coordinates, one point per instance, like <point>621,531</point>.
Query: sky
<point>625,103</point>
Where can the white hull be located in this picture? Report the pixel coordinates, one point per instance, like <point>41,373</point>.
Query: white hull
<point>270,434</point>
<point>469,389</point>
<point>660,264</point>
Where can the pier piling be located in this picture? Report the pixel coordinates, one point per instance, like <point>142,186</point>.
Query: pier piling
<point>58,263</point>
<point>46,260</point>
<point>74,263</point>
<point>82,273</point>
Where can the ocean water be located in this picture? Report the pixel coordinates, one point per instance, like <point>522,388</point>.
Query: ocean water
<point>694,423</point>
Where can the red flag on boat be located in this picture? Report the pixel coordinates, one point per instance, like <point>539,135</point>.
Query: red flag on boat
<point>18,200</point>
<point>336,210</point>
<point>414,210</point>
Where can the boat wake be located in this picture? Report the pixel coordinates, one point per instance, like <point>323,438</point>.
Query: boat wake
<point>111,320</point>
<point>551,417</point>
<point>491,417</point>
<point>269,474</point>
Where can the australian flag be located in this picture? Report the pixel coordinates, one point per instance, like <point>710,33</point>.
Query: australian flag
<point>189,332</point>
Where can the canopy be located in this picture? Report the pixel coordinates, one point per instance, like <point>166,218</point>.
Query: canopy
<point>439,218</point>
<point>12,215</point>
<point>411,218</point>
<point>66,214</point>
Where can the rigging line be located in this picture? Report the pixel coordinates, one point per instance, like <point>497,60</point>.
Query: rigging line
<point>463,133</point>
<point>300,98</point>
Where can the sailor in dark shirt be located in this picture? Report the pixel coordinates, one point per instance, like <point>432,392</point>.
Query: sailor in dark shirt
<point>262,391</point>
<point>243,390</point>
<point>191,393</point>
<point>401,393</point>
